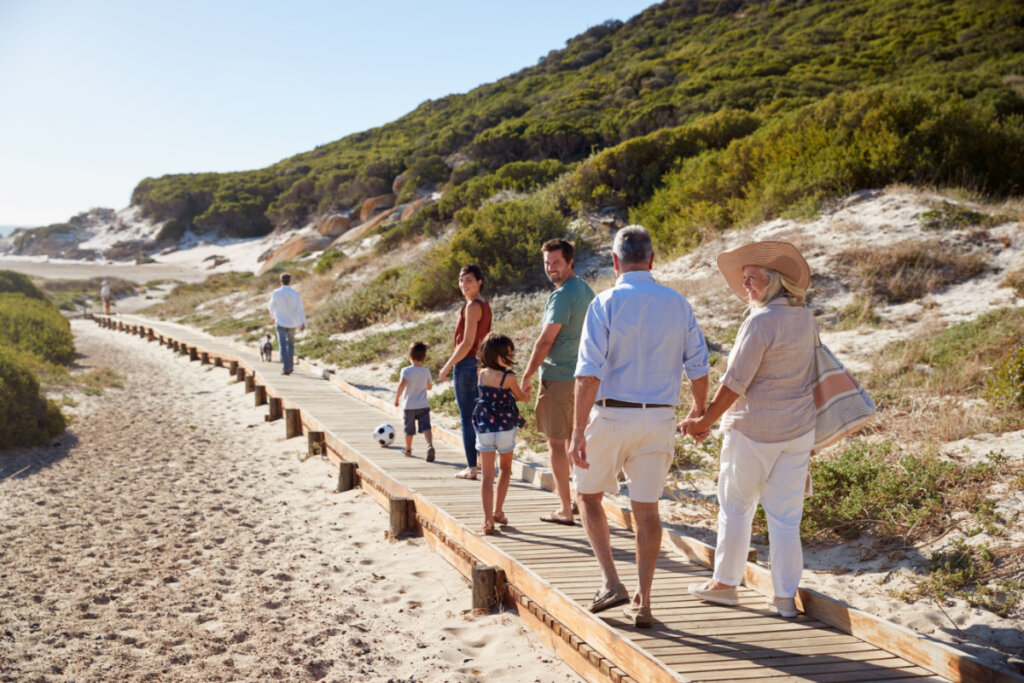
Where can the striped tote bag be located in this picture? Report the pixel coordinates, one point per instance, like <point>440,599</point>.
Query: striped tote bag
<point>842,404</point>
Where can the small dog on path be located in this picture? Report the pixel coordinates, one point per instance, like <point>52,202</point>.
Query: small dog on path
<point>267,350</point>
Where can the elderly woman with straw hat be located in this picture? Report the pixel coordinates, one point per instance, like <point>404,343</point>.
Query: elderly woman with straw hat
<point>767,410</point>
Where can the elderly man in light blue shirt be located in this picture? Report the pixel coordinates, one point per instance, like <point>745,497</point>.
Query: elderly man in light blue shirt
<point>638,339</point>
<point>286,309</point>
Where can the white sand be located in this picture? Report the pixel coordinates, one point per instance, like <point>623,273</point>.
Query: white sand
<point>172,534</point>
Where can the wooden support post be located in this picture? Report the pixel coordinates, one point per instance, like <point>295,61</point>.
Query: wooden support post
<point>316,444</point>
<point>204,357</point>
<point>218,362</point>
<point>485,588</point>
<point>260,395</point>
<point>346,476</point>
<point>250,382</point>
<point>292,423</point>
<point>399,509</point>
<point>233,367</point>
<point>193,353</point>
<point>275,409</point>
<point>239,374</point>
<point>142,331</point>
<point>120,326</point>
<point>151,335</point>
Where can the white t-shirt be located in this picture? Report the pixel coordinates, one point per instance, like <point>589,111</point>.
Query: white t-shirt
<point>417,378</point>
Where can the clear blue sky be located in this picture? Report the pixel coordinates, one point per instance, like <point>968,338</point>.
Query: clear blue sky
<point>98,95</point>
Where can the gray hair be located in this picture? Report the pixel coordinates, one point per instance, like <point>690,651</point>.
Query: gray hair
<point>633,246</point>
<point>779,285</point>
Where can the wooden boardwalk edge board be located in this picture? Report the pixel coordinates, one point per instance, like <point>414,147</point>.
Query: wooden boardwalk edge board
<point>602,649</point>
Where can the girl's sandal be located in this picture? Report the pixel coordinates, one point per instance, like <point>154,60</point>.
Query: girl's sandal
<point>488,529</point>
<point>468,473</point>
<point>500,518</point>
<point>407,454</point>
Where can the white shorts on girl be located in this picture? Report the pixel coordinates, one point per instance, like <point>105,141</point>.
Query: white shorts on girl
<point>503,442</point>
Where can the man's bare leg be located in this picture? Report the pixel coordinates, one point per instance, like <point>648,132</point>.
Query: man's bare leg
<point>561,470</point>
<point>648,545</point>
<point>596,525</point>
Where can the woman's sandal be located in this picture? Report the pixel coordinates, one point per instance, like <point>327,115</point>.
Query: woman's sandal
<point>500,518</point>
<point>468,473</point>
<point>488,529</point>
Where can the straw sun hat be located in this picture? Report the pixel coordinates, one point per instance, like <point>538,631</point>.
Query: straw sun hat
<point>780,256</point>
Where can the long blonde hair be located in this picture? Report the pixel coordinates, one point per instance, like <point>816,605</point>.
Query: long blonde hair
<point>779,285</point>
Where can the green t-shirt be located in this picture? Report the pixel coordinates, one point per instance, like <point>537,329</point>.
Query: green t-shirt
<point>567,306</point>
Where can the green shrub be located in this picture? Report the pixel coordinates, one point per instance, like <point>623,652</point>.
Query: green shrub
<point>848,141</point>
<point>367,305</point>
<point>26,417</point>
<point>629,172</point>
<point>16,283</point>
<point>504,240</point>
<point>1006,389</point>
<point>37,327</point>
<point>327,260</point>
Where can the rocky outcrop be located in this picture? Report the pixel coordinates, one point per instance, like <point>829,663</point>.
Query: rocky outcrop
<point>334,225</point>
<point>412,207</point>
<point>357,232</point>
<point>400,181</point>
<point>293,248</point>
<point>375,204</point>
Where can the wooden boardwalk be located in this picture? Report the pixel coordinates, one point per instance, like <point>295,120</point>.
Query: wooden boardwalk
<point>548,572</point>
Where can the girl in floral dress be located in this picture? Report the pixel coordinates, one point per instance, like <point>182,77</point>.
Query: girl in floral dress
<point>496,419</point>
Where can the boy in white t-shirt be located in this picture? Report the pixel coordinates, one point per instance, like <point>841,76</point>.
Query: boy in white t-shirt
<point>416,381</point>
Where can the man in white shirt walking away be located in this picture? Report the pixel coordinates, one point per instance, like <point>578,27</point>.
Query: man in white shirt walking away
<point>288,314</point>
<point>638,339</point>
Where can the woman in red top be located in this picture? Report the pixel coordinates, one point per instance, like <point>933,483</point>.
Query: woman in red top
<point>474,324</point>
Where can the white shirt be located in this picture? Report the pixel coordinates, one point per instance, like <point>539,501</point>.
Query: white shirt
<point>638,339</point>
<point>286,307</point>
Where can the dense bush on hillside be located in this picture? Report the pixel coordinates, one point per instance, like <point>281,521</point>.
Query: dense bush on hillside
<point>26,417</point>
<point>846,142</point>
<point>16,283</point>
<point>667,67</point>
<point>35,326</point>
<point>504,239</point>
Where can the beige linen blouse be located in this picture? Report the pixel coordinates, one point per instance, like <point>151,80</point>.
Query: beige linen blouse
<point>771,367</point>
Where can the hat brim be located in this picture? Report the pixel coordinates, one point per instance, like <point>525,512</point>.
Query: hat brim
<point>780,256</point>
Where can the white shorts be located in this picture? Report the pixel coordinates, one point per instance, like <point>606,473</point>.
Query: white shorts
<point>503,442</point>
<point>637,440</point>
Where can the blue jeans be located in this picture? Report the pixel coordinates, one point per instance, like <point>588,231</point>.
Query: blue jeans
<point>286,340</point>
<point>465,380</point>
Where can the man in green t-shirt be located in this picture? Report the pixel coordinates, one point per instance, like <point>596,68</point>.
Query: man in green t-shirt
<point>554,353</point>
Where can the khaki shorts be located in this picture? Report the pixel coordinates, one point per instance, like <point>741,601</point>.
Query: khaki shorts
<point>637,440</point>
<point>554,408</point>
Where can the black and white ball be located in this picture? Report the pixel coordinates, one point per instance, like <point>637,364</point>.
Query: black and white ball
<point>384,434</point>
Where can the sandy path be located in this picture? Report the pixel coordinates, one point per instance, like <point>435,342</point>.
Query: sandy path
<point>172,534</point>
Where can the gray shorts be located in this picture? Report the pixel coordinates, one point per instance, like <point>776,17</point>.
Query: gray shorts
<point>417,415</point>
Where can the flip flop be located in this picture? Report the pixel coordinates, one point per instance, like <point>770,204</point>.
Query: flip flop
<point>500,518</point>
<point>550,517</point>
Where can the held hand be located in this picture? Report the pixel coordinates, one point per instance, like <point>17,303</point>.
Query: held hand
<point>443,375</point>
<point>396,402</point>
<point>578,451</point>
<point>693,427</point>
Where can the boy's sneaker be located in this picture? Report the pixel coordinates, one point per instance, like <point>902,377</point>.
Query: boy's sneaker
<point>430,453</point>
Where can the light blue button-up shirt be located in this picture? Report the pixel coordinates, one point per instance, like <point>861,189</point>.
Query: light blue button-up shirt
<point>638,339</point>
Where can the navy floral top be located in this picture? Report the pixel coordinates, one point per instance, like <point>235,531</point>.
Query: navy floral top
<point>496,409</point>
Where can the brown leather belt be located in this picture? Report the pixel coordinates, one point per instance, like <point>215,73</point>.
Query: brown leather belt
<point>615,403</point>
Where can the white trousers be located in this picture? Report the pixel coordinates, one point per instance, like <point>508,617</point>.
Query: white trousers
<point>775,473</point>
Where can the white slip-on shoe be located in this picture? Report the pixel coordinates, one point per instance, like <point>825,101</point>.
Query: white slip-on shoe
<point>721,596</point>
<point>786,607</point>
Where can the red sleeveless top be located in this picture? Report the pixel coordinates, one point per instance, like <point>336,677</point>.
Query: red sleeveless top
<point>483,326</point>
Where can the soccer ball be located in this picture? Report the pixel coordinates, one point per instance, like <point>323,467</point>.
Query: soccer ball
<point>384,434</point>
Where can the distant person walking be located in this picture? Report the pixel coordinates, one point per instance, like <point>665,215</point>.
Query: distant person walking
<point>474,324</point>
<point>638,339</point>
<point>288,314</point>
<point>105,297</point>
<point>555,353</point>
<point>767,409</point>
